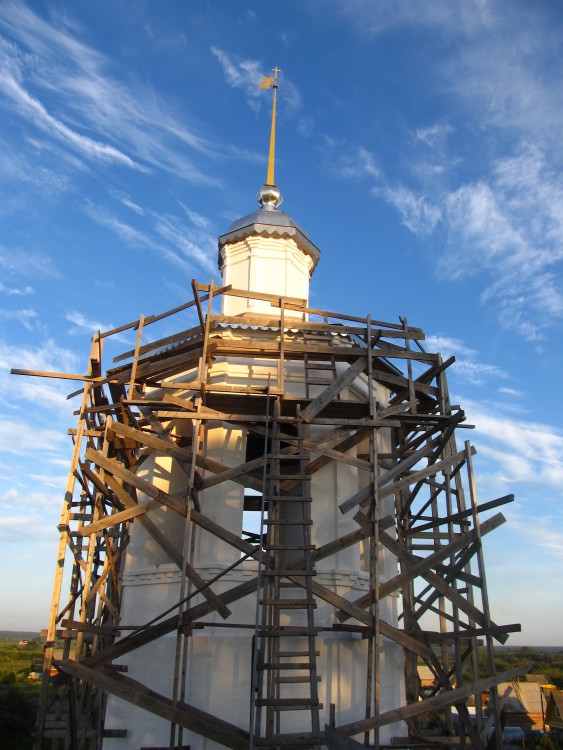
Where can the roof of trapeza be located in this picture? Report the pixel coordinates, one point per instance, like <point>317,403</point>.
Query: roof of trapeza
<point>523,697</point>
<point>270,222</point>
<point>557,696</point>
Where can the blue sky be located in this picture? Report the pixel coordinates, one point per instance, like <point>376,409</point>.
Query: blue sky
<point>419,145</point>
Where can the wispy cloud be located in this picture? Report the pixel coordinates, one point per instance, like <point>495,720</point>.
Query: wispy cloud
<point>510,228</point>
<point>372,18</point>
<point>434,135</point>
<point>246,75</point>
<point>34,110</point>
<point>511,392</point>
<point>523,451</point>
<point>27,317</point>
<point>31,438</point>
<point>45,393</point>
<point>503,225</point>
<point>417,212</point>
<point>467,366</point>
<point>15,291</point>
<point>181,245</point>
<point>542,531</point>
<point>132,127</point>
<point>81,324</point>
<point>27,263</point>
<point>199,246</point>
<point>350,163</point>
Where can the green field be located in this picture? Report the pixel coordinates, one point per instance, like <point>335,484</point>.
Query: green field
<point>18,694</point>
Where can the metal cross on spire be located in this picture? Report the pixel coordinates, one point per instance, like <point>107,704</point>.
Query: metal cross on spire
<point>271,82</point>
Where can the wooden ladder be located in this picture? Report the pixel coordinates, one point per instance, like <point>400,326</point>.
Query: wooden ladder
<point>285,678</point>
<point>313,365</point>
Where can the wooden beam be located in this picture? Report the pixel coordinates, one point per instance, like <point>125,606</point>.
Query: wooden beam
<point>120,517</point>
<point>437,702</point>
<point>165,544</point>
<point>118,470</point>
<point>436,581</point>
<point>329,393</point>
<point>60,375</point>
<point>183,714</point>
<point>334,740</point>
<point>423,564</point>
<point>153,632</point>
<point>461,515</point>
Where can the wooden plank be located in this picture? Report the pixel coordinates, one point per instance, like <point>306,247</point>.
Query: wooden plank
<point>392,584</point>
<point>121,517</point>
<point>353,537</point>
<point>440,521</point>
<point>164,543</point>
<point>169,448</point>
<point>427,472</point>
<point>432,560</point>
<point>301,326</point>
<point>334,740</point>
<point>232,473</point>
<point>223,346</point>
<point>135,362</point>
<point>340,603</point>
<point>200,314</point>
<point>390,475</point>
<point>160,343</point>
<point>437,702</point>
<point>436,581</point>
<point>180,713</point>
<point>250,294</point>
<point>154,318</point>
<point>319,403</point>
<point>153,632</point>
<point>226,536</point>
<point>60,375</point>
<point>118,470</point>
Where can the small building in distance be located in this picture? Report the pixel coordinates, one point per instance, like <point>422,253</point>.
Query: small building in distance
<point>554,712</point>
<point>522,705</point>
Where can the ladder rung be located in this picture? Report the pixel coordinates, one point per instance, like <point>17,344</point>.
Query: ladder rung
<point>286,665</point>
<point>319,381</point>
<point>289,603</point>
<point>287,456</point>
<point>300,477</point>
<point>288,522</point>
<point>296,679</point>
<point>289,704</point>
<point>290,498</point>
<point>320,366</point>
<point>288,630</point>
<point>296,653</point>
<point>290,572</point>
<point>289,740</point>
<point>290,547</point>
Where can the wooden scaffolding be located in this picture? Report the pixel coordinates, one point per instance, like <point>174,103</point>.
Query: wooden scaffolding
<point>434,530</point>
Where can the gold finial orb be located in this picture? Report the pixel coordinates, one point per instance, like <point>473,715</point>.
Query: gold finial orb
<point>269,197</point>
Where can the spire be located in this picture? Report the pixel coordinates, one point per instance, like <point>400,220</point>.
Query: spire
<point>269,196</point>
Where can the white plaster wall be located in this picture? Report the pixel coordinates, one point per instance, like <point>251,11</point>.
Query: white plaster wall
<point>219,662</point>
<point>219,665</point>
<point>266,264</point>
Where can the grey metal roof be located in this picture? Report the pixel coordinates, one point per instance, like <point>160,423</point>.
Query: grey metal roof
<point>270,222</point>
<point>272,216</point>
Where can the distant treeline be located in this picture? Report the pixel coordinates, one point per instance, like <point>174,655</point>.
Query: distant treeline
<point>544,661</point>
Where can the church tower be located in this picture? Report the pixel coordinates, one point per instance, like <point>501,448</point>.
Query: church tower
<point>272,525</point>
